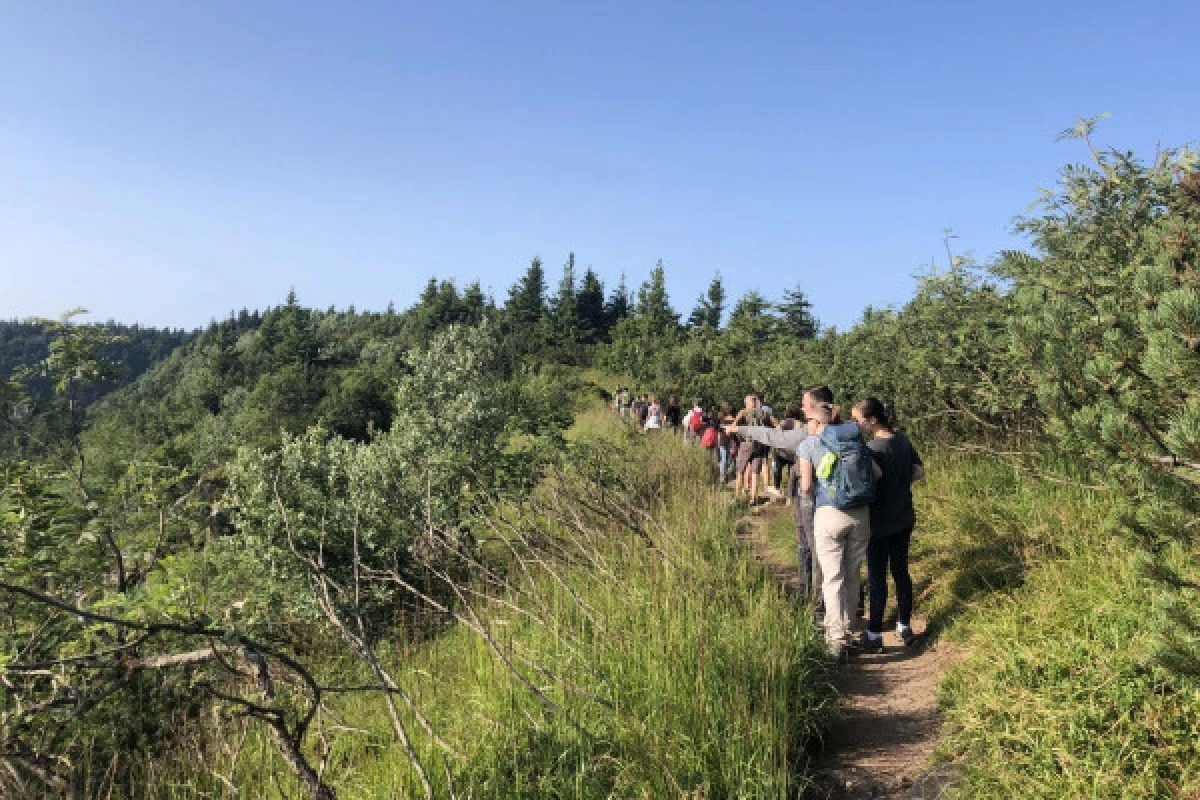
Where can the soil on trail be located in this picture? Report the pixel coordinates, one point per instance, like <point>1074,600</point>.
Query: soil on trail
<point>888,722</point>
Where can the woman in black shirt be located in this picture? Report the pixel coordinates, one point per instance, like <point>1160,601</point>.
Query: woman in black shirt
<point>892,519</point>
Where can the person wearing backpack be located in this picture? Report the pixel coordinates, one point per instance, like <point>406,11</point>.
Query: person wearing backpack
<point>786,439</point>
<point>694,423</point>
<point>892,520</point>
<point>838,476</point>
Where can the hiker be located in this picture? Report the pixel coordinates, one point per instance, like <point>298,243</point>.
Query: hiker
<point>787,439</point>
<point>838,476</point>
<point>654,416</point>
<point>709,435</point>
<point>750,455</point>
<point>643,409</point>
<point>892,519</point>
<point>694,422</point>
<point>623,401</point>
<point>780,457</point>
<point>725,442</point>
<point>672,414</point>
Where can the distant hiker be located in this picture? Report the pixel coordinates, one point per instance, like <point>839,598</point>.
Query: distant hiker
<point>672,414</point>
<point>654,416</point>
<point>643,409</point>
<point>751,455</point>
<point>725,442</point>
<point>787,439</point>
<point>710,431</point>
<point>623,401</point>
<point>694,423</point>
<point>892,519</point>
<point>837,475</point>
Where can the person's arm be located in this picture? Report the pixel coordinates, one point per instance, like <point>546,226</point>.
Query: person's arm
<point>772,437</point>
<point>918,467</point>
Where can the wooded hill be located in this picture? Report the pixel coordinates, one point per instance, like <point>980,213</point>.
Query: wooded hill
<point>300,505</point>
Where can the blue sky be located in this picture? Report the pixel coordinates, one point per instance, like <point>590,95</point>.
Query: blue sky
<point>165,163</point>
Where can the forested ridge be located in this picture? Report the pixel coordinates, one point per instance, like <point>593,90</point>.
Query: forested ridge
<point>365,553</point>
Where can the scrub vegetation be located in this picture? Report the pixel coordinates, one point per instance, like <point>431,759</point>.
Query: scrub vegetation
<point>361,554</point>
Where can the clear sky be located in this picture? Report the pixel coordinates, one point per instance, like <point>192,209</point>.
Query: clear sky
<point>166,162</point>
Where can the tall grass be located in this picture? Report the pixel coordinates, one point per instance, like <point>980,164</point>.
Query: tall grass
<point>633,650</point>
<point>1058,695</point>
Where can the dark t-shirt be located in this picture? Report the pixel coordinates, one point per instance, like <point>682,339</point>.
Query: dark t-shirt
<point>892,511</point>
<point>673,415</point>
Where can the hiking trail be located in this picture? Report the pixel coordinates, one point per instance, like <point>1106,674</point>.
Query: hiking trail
<point>888,722</point>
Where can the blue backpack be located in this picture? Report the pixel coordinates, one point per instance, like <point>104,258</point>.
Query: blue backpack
<point>849,481</point>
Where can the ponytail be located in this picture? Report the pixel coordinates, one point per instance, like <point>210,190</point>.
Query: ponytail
<point>883,413</point>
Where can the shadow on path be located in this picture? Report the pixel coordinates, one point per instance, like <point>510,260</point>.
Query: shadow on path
<point>888,724</point>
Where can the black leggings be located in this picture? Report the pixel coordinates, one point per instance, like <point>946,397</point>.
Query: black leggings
<point>882,551</point>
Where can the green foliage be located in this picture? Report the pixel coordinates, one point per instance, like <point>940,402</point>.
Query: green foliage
<point>1059,694</point>
<point>1106,320</point>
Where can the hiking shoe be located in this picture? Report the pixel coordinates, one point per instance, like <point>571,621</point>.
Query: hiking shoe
<point>870,644</point>
<point>906,635</point>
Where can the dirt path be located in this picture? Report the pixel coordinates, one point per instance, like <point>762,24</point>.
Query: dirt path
<point>882,740</point>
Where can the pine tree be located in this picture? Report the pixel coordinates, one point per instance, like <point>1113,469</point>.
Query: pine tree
<point>795,315</point>
<point>618,306</point>
<point>475,304</point>
<point>710,307</point>
<point>751,319</point>
<point>593,322</point>
<point>526,306</point>
<point>1107,323</point>
<point>653,308</point>
<point>564,315</point>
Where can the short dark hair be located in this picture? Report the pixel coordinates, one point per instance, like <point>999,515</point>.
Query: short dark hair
<point>822,394</point>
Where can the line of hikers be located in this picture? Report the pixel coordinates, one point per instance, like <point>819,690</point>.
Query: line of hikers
<point>851,499</point>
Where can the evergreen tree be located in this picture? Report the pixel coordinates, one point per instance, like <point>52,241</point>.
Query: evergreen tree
<point>709,307</point>
<point>653,308</point>
<point>564,315</point>
<point>593,321</point>
<point>474,303</point>
<point>526,306</point>
<point>617,307</point>
<point>795,315</point>
<point>751,319</point>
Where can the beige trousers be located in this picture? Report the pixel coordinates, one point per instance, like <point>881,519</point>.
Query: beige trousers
<point>841,539</point>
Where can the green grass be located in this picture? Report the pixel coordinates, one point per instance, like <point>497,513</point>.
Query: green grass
<point>671,665</point>
<point>1058,695</point>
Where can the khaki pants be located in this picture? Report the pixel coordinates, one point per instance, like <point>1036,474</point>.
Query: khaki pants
<point>841,539</point>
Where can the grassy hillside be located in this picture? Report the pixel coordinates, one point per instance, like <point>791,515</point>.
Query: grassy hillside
<point>665,661</point>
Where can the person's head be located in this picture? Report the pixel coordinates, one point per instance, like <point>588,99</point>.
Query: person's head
<point>671,401</point>
<point>873,416</point>
<point>793,411</point>
<point>817,403</point>
<point>726,408</point>
<point>696,403</point>
<point>750,402</point>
